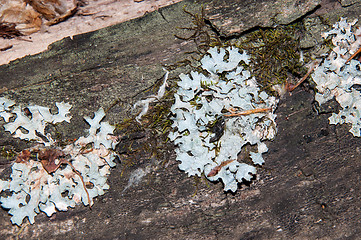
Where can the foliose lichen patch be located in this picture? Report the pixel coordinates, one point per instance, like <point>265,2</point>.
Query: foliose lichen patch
<point>339,77</point>
<point>46,178</point>
<point>216,113</point>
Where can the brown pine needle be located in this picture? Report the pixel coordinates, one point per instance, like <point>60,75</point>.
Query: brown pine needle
<point>291,88</point>
<point>247,112</point>
<point>353,55</point>
<point>218,168</point>
<point>81,178</point>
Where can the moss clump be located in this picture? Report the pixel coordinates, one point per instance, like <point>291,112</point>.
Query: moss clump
<point>149,138</point>
<point>8,153</point>
<point>275,55</point>
<point>275,52</point>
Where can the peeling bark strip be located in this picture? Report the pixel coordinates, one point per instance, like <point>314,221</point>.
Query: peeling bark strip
<point>6,48</point>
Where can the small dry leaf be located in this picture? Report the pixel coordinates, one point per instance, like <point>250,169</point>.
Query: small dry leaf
<point>24,156</point>
<point>51,161</point>
<point>8,30</point>
<point>50,9</point>
<point>49,158</point>
<point>24,17</point>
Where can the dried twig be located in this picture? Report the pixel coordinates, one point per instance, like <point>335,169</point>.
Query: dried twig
<point>21,230</point>
<point>247,112</point>
<point>81,178</point>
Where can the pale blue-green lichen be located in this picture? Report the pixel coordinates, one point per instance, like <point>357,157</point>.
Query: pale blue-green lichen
<point>32,188</point>
<point>339,79</point>
<point>203,99</point>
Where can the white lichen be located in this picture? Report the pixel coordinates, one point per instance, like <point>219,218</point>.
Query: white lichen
<point>143,104</point>
<point>35,122</point>
<point>32,188</point>
<point>339,79</point>
<point>5,105</point>
<point>202,100</point>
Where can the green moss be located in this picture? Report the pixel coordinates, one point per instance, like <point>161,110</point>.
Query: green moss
<point>275,60</point>
<point>275,51</point>
<point>8,153</point>
<point>149,138</point>
<point>275,55</point>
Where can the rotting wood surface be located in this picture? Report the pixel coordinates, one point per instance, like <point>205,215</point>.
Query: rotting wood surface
<point>308,188</point>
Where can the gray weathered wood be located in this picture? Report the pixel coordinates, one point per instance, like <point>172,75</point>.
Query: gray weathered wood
<point>309,187</point>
